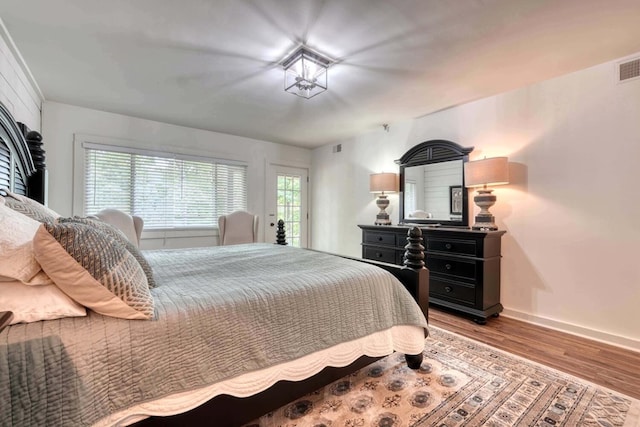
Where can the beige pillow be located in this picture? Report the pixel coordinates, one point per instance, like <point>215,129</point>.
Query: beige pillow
<point>18,261</point>
<point>93,269</point>
<point>120,238</point>
<point>29,207</point>
<point>33,303</point>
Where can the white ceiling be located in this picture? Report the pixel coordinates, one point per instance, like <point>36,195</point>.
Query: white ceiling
<point>213,64</point>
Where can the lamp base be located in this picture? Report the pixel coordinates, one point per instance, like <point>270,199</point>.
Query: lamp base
<point>484,220</point>
<point>485,223</point>
<point>383,217</point>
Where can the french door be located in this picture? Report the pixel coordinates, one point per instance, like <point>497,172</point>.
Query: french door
<point>286,190</point>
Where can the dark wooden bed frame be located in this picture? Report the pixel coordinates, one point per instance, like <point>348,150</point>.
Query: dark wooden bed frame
<point>23,170</point>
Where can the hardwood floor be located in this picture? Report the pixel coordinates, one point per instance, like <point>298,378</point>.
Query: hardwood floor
<point>609,366</point>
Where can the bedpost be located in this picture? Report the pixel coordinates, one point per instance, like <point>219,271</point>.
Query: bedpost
<point>413,274</point>
<point>418,281</point>
<point>281,238</point>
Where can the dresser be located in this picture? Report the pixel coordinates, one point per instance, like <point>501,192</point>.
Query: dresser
<point>464,265</point>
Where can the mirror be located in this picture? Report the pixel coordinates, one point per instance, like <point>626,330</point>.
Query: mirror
<point>432,187</point>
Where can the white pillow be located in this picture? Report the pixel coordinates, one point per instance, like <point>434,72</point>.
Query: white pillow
<point>16,248</point>
<point>33,303</point>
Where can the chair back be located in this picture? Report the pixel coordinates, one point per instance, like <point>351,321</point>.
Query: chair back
<point>238,227</point>
<point>130,225</point>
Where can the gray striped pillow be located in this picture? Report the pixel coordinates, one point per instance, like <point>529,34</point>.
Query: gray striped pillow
<point>29,207</point>
<point>121,238</point>
<point>94,269</point>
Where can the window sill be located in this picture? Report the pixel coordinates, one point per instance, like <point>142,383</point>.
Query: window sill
<point>179,233</point>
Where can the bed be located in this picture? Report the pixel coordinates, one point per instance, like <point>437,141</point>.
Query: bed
<point>235,331</point>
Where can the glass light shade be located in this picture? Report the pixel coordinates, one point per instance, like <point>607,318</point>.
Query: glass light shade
<point>383,182</point>
<point>305,73</point>
<point>492,171</point>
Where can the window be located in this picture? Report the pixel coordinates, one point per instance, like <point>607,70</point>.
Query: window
<point>166,190</point>
<point>409,197</point>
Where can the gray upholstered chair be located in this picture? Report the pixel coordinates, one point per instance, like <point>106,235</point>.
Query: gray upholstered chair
<point>130,225</point>
<point>238,227</point>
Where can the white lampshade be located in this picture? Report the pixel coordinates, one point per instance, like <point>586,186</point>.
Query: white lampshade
<point>383,182</point>
<point>480,173</point>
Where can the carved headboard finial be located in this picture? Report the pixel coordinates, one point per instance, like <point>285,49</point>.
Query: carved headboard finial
<point>34,141</point>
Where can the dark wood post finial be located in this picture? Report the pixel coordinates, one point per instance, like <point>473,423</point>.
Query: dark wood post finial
<point>281,237</point>
<point>34,142</point>
<point>414,251</point>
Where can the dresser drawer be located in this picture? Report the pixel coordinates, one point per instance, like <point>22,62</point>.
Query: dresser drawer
<point>379,254</point>
<point>388,239</point>
<point>452,267</point>
<point>452,291</point>
<point>452,246</point>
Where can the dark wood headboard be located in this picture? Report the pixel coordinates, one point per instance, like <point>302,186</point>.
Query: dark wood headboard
<point>22,159</point>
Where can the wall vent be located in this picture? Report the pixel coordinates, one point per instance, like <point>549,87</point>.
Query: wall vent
<point>629,70</point>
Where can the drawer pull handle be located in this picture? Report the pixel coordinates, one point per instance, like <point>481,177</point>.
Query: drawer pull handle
<point>379,238</point>
<point>378,254</point>
<point>447,266</point>
<point>448,246</point>
<point>448,288</point>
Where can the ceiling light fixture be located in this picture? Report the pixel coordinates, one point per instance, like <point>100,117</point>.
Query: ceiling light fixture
<point>305,72</point>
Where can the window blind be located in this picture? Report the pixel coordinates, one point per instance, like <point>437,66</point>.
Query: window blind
<point>166,190</point>
<point>409,197</point>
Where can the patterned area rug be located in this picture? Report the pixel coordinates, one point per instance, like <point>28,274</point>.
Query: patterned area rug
<point>461,383</point>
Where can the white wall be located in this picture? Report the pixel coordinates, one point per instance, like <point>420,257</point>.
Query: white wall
<point>570,254</point>
<point>18,90</point>
<point>60,122</point>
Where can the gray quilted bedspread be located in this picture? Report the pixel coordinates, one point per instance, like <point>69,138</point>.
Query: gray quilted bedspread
<point>219,312</point>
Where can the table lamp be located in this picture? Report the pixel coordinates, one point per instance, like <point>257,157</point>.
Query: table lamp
<point>482,173</point>
<point>381,183</point>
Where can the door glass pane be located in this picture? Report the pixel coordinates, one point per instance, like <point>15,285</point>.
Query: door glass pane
<point>289,207</point>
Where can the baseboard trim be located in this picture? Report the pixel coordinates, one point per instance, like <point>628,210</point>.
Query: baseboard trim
<point>600,336</point>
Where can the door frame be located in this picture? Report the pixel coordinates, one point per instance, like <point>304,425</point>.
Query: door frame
<point>270,172</point>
